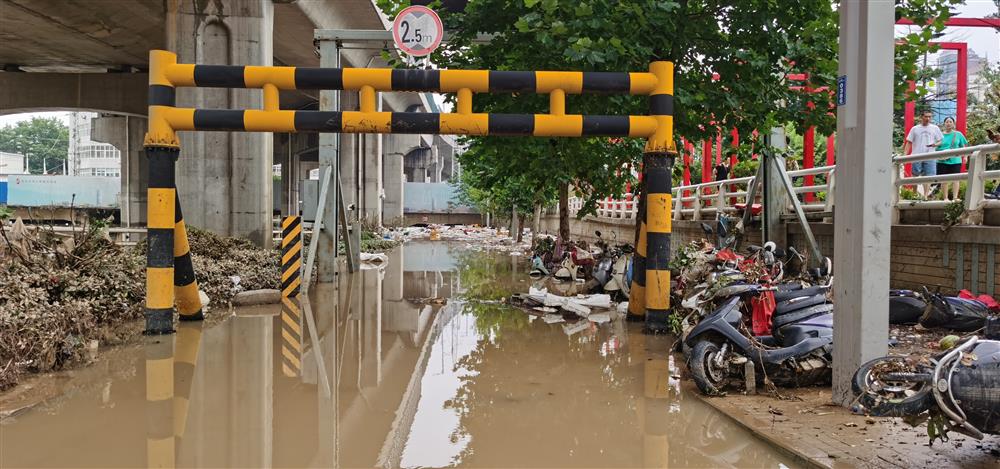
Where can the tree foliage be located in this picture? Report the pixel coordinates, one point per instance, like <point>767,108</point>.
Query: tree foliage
<point>40,139</point>
<point>732,58</point>
<point>984,114</point>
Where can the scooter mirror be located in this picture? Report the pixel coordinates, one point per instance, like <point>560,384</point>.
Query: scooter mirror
<point>598,233</point>
<point>706,228</point>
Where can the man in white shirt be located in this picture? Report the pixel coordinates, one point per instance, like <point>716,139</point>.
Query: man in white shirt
<point>923,138</point>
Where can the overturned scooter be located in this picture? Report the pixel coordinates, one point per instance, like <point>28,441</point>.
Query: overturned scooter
<point>797,353</point>
<point>959,389</point>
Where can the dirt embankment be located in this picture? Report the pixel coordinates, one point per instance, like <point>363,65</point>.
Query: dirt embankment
<point>62,296</point>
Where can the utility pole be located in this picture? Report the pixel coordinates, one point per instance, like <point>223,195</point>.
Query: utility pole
<point>862,224</point>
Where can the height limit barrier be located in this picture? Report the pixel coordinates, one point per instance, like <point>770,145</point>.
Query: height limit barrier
<point>169,275</point>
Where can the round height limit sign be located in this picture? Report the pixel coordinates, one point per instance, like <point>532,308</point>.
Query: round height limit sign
<point>417,30</point>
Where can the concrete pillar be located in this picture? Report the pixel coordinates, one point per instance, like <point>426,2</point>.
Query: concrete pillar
<point>371,176</point>
<point>393,178</point>
<point>224,178</point>
<point>126,133</point>
<point>862,220</point>
<point>435,164</point>
<point>775,194</point>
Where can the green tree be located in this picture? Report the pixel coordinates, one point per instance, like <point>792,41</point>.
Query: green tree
<point>45,141</point>
<point>731,59</point>
<point>984,114</point>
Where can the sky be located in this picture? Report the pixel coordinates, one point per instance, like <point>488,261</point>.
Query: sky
<point>985,42</point>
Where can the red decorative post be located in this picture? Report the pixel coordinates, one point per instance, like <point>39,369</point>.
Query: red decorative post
<point>831,150</point>
<point>808,155</point>
<point>706,160</point>
<point>909,111</point>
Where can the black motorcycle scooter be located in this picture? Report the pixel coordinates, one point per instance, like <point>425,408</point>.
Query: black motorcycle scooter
<point>797,353</point>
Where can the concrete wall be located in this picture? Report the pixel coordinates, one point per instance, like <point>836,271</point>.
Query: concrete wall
<point>224,178</point>
<point>962,257</point>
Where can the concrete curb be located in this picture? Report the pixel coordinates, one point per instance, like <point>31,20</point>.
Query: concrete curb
<point>810,457</point>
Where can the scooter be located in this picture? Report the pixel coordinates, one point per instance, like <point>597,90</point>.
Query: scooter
<point>798,352</point>
<point>612,270</point>
<point>957,388</point>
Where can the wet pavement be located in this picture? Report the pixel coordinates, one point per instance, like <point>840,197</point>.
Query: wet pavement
<point>416,364</point>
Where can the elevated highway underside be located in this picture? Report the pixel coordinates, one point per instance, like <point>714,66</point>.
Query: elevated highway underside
<point>93,56</point>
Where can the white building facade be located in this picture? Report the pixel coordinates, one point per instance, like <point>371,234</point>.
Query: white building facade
<point>87,157</point>
<point>13,163</point>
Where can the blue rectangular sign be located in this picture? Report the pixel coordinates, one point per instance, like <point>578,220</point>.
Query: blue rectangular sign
<point>841,90</point>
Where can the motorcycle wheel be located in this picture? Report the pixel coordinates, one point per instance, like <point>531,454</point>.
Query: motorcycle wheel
<point>709,378</point>
<point>890,398</point>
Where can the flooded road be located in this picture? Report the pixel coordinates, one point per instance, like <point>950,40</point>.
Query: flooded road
<point>413,365</point>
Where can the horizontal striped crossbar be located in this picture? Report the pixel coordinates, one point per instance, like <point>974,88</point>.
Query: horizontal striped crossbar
<point>387,79</point>
<point>541,125</point>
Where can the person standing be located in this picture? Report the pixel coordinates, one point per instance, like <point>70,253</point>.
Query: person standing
<point>722,171</point>
<point>951,139</point>
<point>923,138</point>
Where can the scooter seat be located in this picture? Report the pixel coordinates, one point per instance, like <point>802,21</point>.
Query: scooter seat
<point>819,326</point>
<point>798,303</point>
<point>799,316</point>
<point>787,295</point>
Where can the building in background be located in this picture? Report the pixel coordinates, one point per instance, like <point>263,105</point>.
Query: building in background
<point>87,157</point>
<point>946,86</point>
<point>13,163</point>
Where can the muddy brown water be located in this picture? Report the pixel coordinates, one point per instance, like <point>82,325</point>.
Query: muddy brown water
<point>389,377</point>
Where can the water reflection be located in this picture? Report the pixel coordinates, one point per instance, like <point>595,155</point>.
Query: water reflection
<point>415,364</point>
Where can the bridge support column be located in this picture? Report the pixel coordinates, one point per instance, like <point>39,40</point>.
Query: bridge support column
<point>392,177</point>
<point>224,178</point>
<point>126,134</point>
<point>371,188</point>
<point>862,223</point>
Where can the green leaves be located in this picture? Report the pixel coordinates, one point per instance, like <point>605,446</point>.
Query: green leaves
<point>39,139</point>
<point>732,58</point>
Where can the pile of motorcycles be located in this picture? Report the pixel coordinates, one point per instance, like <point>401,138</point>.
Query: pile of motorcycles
<point>754,324</point>
<point>755,321</point>
<point>602,268</point>
<point>764,317</point>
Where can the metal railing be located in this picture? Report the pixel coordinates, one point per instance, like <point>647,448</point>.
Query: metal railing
<point>703,201</point>
<point>975,179</point>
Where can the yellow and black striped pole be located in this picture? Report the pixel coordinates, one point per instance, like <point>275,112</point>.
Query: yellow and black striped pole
<point>291,256</point>
<point>162,150</point>
<point>160,241</point>
<point>291,337</point>
<point>160,443</point>
<point>188,343</point>
<point>185,285</point>
<point>659,158</point>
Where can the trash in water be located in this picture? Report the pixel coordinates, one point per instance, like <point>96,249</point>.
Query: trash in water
<point>374,257</point>
<point>600,318</point>
<point>553,318</point>
<point>573,328</point>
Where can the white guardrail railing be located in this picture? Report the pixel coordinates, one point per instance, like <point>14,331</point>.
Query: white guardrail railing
<point>703,201</point>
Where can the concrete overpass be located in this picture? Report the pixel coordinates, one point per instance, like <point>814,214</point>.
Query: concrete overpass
<point>94,56</point>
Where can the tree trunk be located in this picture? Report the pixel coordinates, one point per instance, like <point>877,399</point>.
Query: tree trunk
<point>520,228</point>
<point>536,224</point>
<point>564,211</point>
<point>513,222</point>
